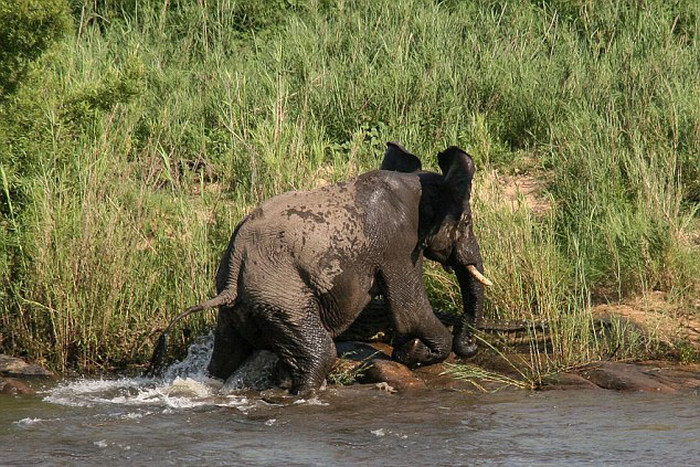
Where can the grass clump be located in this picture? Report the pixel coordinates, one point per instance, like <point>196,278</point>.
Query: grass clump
<point>132,146</point>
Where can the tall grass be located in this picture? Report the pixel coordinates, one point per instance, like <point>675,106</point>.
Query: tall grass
<point>133,147</point>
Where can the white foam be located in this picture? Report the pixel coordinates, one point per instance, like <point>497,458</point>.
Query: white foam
<point>313,401</point>
<point>383,432</point>
<point>87,393</point>
<point>25,422</point>
<point>183,385</point>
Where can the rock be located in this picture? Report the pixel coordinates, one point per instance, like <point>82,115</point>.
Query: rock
<point>12,366</point>
<point>386,387</point>
<point>393,373</point>
<point>569,381</point>
<point>680,377</point>
<point>434,377</point>
<point>625,377</point>
<point>14,386</point>
<point>502,362</point>
<point>371,363</point>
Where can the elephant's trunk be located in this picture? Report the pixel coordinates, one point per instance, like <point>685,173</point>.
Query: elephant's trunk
<point>472,287</point>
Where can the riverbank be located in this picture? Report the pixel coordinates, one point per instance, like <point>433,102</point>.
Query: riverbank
<point>17,376</point>
<point>490,372</point>
<point>370,365</point>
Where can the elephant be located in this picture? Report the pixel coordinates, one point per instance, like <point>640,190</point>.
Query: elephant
<point>301,267</point>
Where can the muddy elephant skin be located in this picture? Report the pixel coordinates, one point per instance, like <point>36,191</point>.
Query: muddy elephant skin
<point>301,267</point>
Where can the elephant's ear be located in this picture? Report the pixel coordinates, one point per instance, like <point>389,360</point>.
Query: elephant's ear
<point>396,158</point>
<point>458,171</point>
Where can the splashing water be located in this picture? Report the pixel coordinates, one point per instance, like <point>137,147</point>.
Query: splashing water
<point>256,373</point>
<point>184,384</point>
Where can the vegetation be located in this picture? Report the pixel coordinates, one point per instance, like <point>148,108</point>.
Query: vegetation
<point>135,134</point>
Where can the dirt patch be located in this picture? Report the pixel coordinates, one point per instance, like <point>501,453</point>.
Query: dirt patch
<point>654,315</point>
<point>514,191</point>
<point>530,189</point>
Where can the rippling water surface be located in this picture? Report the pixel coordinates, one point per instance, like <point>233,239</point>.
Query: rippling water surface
<point>185,418</point>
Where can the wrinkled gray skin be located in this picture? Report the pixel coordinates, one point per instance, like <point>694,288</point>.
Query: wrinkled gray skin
<point>300,268</point>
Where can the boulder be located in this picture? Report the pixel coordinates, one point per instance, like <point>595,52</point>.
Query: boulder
<point>625,377</point>
<point>436,377</point>
<point>393,373</point>
<point>682,377</point>
<point>569,381</point>
<point>14,386</point>
<point>13,366</point>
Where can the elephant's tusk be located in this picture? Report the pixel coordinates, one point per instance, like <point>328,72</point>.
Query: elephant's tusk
<point>480,277</point>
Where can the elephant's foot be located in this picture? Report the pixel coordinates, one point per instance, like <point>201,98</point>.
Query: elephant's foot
<point>465,345</point>
<point>308,360</point>
<point>307,383</point>
<point>415,353</point>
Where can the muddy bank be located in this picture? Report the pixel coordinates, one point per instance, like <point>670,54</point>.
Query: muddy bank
<point>372,365</point>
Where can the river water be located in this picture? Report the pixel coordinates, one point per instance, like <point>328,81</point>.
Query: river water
<point>186,419</point>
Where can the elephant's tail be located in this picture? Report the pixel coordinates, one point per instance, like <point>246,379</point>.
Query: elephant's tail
<point>224,298</point>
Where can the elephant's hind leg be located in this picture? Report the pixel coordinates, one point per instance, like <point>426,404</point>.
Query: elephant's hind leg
<point>305,349</point>
<point>230,348</point>
<point>314,362</point>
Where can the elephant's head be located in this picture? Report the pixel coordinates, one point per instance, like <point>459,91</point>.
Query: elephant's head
<point>445,228</point>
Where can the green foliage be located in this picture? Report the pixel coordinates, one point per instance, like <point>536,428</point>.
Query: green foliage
<point>131,149</point>
<point>29,27</point>
<point>118,87</point>
<point>686,352</point>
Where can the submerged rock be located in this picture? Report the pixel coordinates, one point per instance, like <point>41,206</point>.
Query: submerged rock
<point>14,386</point>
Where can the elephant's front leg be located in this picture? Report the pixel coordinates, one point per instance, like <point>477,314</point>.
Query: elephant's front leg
<point>427,340</point>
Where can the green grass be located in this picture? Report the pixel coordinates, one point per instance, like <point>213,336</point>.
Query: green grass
<point>132,147</point>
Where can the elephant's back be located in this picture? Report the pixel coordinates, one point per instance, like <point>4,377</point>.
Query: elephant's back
<point>356,221</point>
<point>310,226</point>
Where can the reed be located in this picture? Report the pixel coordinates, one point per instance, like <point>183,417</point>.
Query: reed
<point>131,148</point>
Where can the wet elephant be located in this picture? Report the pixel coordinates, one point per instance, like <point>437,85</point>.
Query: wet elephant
<point>302,266</point>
